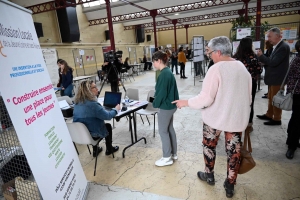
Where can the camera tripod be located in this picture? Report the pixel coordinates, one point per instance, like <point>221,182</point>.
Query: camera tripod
<point>116,71</point>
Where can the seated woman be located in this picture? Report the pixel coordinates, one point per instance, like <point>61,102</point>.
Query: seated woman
<point>126,64</point>
<point>88,111</point>
<point>66,78</point>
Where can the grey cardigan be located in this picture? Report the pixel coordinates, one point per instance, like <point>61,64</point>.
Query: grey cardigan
<point>277,64</point>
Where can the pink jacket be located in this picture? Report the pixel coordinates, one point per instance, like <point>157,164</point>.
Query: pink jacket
<point>225,98</point>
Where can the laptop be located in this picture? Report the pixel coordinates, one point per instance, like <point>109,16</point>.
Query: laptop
<point>111,99</point>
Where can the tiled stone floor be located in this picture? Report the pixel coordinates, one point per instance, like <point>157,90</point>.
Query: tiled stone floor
<point>136,176</point>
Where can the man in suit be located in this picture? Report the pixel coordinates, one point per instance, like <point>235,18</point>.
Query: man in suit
<point>276,67</point>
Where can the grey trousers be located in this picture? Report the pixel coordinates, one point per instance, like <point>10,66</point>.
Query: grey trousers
<point>167,132</point>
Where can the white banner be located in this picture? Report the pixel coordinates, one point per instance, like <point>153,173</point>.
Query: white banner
<point>242,32</point>
<point>28,93</point>
<point>50,58</point>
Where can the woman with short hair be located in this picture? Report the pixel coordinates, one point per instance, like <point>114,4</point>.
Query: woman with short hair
<point>88,111</point>
<point>225,102</point>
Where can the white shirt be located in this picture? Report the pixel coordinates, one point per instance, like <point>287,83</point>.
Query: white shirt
<point>274,47</point>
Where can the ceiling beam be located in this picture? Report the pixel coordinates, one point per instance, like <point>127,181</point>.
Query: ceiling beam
<point>55,5</point>
<point>222,21</point>
<point>167,10</point>
<point>219,14</point>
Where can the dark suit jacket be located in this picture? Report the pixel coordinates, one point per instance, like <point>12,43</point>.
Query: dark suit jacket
<point>277,64</point>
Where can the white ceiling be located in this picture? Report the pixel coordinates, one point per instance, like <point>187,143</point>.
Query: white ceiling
<point>121,8</point>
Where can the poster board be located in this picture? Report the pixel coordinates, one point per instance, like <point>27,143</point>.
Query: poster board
<point>242,32</point>
<point>50,58</point>
<point>34,109</point>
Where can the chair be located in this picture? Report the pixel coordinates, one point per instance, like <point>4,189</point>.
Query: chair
<point>149,110</point>
<point>132,93</point>
<point>68,99</point>
<point>130,73</point>
<point>81,135</point>
<point>142,67</point>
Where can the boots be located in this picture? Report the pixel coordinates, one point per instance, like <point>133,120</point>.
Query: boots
<point>229,188</point>
<point>111,150</point>
<point>96,150</point>
<point>208,177</point>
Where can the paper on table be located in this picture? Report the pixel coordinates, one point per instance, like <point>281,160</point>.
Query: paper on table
<point>64,105</point>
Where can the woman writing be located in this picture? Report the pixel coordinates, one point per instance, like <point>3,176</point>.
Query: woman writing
<point>225,101</point>
<point>88,111</point>
<point>165,92</point>
<point>66,78</point>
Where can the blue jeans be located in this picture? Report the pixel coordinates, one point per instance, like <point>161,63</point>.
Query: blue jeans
<point>68,91</point>
<point>174,63</point>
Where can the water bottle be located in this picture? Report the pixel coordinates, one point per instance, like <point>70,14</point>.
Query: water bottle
<point>126,101</point>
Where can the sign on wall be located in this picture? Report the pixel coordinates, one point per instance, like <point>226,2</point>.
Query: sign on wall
<point>242,32</point>
<point>28,93</point>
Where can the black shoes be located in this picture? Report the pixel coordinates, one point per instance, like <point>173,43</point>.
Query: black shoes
<point>290,154</point>
<point>208,177</point>
<point>229,188</point>
<point>95,153</point>
<point>272,122</point>
<point>263,117</point>
<point>114,149</point>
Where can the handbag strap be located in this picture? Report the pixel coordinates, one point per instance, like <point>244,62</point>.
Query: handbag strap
<point>247,142</point>
<point>295,87</point>
<point>282,84</point>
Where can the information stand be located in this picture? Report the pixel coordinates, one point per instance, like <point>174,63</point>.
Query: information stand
<point>198,58</point>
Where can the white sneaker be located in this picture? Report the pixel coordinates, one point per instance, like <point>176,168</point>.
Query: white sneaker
<point>174,157</point>
<point>164,162</point>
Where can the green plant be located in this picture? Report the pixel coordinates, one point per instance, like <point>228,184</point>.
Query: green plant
<point>240,23</point>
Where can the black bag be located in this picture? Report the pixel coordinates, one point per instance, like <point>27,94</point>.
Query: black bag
<point>17,166</point>
<point>67,112</point>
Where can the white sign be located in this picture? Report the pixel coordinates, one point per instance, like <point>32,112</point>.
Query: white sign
<point>235,45</point>
<point>34,110</point>
<point>242,32</point>
<point>256,44</point>
<point>81,52</point>
<point>50,58</point>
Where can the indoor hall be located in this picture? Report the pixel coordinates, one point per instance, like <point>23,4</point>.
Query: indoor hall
<point>137,177</point>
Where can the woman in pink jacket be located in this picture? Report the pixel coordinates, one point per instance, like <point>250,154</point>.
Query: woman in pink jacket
<point>225,102</point>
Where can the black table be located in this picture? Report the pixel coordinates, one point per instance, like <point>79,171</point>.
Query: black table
<point>131,114</point>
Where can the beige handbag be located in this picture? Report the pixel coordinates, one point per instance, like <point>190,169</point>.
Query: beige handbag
<point>247,162</point>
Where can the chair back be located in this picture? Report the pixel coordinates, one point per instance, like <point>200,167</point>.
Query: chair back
<point>129,71</point>
<point>68,99</point>
<point>150,94</point>
<point>150,105</point>
<point>80,134</point>
<point>132,94</point>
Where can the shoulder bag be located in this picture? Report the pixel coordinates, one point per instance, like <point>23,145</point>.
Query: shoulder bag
<point>284,102</point>
<point>247,162</point>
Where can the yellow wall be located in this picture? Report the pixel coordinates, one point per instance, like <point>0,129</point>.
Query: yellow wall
<point>211,31</point>
<point>92,37</point>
